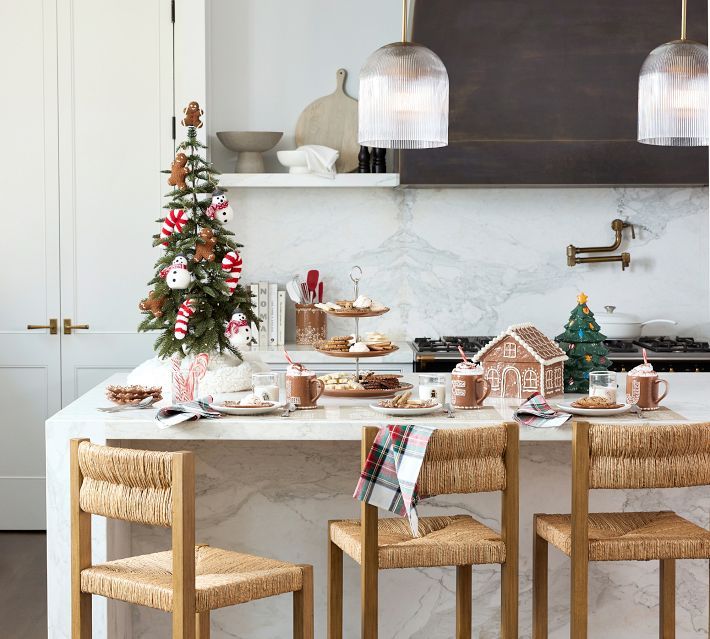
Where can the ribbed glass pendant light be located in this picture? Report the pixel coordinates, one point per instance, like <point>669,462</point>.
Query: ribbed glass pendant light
<point>404,97</point>
<point>673,93</point>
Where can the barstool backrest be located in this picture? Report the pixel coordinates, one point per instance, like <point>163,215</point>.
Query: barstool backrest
<point>121,483</point>
<point>648,455</point>
<point>470,460</point>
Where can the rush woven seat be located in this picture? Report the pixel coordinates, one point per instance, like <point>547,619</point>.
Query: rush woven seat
<point>445,541</point>
<point>641,536</point>
<point>222,578</point>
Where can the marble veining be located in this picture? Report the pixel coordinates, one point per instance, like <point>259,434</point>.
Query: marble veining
<point>473,261</point>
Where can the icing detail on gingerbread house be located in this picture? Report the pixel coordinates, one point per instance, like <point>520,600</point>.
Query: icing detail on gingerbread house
<point>522,360</point>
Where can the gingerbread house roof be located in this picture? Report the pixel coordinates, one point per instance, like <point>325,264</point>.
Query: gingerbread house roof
<point>541,347</point>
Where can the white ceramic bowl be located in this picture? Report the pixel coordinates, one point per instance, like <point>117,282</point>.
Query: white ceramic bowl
<point>294,161</point>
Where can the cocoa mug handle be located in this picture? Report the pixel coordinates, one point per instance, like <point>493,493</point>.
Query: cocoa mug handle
<point>665,390</point>
<point>319,385</point>
<point>486,385</point>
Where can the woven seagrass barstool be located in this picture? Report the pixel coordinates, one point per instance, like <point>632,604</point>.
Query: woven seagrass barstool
<point>622,457</point>
<point>483,459</point>
<point>159,489</point>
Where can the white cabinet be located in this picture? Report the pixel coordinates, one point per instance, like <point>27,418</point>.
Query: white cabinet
<point>89,94</point>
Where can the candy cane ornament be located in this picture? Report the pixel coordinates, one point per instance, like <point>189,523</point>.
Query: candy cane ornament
<point>174,222</point>
<point>185,312</point>
<point>232,263</point>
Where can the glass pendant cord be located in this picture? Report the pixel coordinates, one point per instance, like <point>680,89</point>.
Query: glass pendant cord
<point>673,93</point>
<point>404,96</point>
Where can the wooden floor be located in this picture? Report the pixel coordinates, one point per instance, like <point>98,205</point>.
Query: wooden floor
<point>23,585</point>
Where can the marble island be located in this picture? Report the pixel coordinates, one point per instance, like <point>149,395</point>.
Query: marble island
<point>295,473</point>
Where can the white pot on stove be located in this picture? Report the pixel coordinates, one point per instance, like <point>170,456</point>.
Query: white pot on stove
<point>624,325</point>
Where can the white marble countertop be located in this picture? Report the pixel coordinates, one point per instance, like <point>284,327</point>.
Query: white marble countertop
<point>339,419</point>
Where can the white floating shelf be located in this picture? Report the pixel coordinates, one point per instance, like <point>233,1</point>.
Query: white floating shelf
<point>283,180</point>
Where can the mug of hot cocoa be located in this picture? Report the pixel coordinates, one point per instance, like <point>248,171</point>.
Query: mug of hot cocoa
<point>643,387</point>
<point>303,388</point>
<point>468,386</point>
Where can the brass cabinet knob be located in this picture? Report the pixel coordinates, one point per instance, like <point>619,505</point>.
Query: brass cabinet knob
<point>52,326</point>
<point>69,327</point>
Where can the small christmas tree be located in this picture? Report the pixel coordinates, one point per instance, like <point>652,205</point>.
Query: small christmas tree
<point>584,345</point>
<point>195,292</point>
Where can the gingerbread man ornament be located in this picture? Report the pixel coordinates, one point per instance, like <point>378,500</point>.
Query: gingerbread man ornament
<point>192,115</point>
<point>204,250</point>
<point>178,171</point>
<point>153,304</point>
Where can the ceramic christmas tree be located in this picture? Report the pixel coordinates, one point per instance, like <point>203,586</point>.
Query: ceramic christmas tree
<point>584,345</point>
<point>195,292</point>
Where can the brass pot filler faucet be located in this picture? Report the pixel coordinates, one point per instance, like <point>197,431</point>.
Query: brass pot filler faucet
<point>625,258</point>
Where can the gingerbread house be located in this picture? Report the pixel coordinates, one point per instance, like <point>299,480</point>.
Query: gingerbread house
<point>522,360</point>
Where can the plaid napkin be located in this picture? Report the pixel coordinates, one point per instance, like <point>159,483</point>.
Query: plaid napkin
<point>389,478</point>
<point>536,412</point>
<point>178,413</point>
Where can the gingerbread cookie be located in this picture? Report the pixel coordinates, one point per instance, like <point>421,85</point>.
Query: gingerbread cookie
<point>192,115</point>
<point>153,304</point>
<point>178,171</point>
<point>205,250</point>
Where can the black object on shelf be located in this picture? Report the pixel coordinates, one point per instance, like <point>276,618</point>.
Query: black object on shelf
<point>363,160</point>
<point>379,161</point>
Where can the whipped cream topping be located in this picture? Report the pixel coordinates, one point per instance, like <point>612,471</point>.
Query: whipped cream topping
<point>298,370</point>
<point>467,368</point>
<point>643,370</point>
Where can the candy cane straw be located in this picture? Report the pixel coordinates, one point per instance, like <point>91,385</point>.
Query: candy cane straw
<point>178,380</point>
<point>290,361</point>
<point>463,354</point>
<point>645,359</point>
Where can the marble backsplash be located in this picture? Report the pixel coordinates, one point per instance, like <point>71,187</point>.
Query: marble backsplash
<point>473,261</point>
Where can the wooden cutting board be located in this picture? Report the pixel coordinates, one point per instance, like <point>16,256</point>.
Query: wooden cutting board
<point>332,121</point>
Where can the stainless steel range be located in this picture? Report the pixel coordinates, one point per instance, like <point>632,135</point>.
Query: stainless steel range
<point>668,354</point>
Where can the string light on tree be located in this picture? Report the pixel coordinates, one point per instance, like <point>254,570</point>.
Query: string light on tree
<point>584,345</point>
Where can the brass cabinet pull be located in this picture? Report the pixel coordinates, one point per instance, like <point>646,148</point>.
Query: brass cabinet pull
<point>52,326</point>
<point>69,327</point>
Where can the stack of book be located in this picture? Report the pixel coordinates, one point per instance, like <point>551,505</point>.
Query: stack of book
<point>270,306</point>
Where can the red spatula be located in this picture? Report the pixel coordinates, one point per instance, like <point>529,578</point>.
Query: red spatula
<point>312,278</point>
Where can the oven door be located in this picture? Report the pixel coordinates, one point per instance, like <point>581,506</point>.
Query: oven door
<point>424,363</point>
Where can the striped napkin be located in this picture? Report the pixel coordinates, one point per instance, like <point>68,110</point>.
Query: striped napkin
<point>537,413</point>
<point>178,413</point>
<point>389,478</point>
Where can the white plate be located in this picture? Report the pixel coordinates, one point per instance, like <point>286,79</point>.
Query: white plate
<point>573,410</point>
<point>238,410</point>
<point>405,412</point>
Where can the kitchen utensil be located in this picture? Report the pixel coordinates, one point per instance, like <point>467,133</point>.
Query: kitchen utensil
<point>146,402</point>
<point>406,412</point>
<point>250,145</point>
<point>294,292</point>
<point>312,278</point>
<point>320,292</point>
<point>288,409</point>
<point>305,293</point>
<point>449,411</point>
<point>624,325</point>
<point>600,412</point>
<point>332,121</point>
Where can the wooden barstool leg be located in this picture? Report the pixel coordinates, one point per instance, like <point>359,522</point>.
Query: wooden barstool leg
<point>202,623</point>
<point>667,605</point>
<point>463,602</point>
<point>368,598</point>
<point>578,596</point>
<point>539,586</point>
<point>303,607</point>
<point>335,590</point>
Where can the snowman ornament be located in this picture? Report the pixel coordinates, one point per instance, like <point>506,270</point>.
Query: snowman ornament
<point>220,209</point>
<point>176,275</point>
<point>238,330</point>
